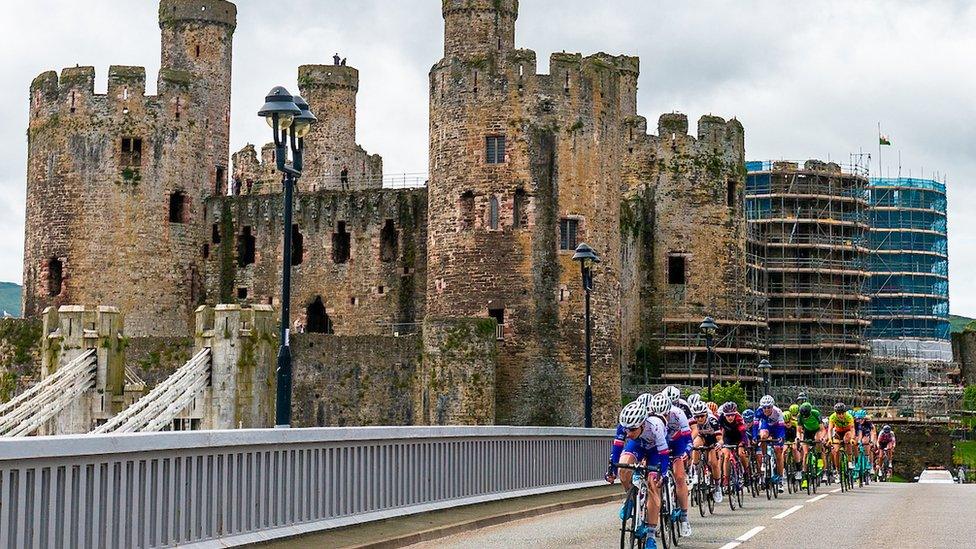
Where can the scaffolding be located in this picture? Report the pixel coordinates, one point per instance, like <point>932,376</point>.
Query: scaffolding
<point>808,223</point>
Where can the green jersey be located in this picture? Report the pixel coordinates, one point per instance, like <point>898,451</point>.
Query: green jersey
<point>812,422</point>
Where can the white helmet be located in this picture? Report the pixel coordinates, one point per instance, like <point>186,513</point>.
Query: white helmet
<point>633,415</point>
<point>672,393</point>
<point>699,408</point>
<point>766,401</point>
<point>660,404</point>
<point>695,397</point>
<point>644,400</point>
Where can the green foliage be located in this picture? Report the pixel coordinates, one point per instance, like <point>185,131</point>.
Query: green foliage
<point>22,338</point>
<point>729,392</point>
<point>131,176</point>
<point>969,398</point>
<point>8,384</point>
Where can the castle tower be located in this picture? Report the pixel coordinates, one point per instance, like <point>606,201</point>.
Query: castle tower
<point>523,167</point>
<point>333,160</point>
<point>116,181</point>
<point>478,28</point>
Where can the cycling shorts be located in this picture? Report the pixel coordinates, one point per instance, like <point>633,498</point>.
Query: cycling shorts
<point>709,440</point>
<point>841,434</point>
<point>791,433</point>
<point>641,453</point>
<point>680,447</point>
<point>777,433</point>
<point>810,435</point>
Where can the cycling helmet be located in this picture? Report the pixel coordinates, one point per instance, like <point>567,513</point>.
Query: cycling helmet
<point>660,404</point>
<point>801,398</point>
<point>840,407</point>
<point>805,409</point>
<point>795,409</point>
<point>729,408</point>
<point>633,415</point>
<point>695,397</point>
<point>672,393</point>
<point>748,415</point>
<point>699,408</point>
<point>787,417</point>
<point>861,414</point>
<point>886,429</point>
<point>712,407</point>
<point>644,400</point>
<point>766,401</point>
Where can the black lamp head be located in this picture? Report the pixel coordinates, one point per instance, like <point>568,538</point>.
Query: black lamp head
<point>585,254</point>
<point>281,103</point>
<point>708,326</point>
<point>303,122</point>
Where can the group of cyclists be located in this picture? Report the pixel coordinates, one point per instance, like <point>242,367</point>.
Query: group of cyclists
<point>665,435</point>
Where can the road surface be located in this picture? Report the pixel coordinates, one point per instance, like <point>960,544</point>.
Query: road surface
<point>879,515</point>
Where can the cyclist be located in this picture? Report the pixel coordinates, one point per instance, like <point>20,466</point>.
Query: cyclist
<point>886,445</point>
<point>791,425</point>
<point>841,428</point>
<point>810,430</point>
<point>710,435</point>
<point>801,398</point>
<point>674,395</point>
<point>733,434</point>
<point>772,429</point>
<point>680,435</point>
<point>645,440</point>
<point>864,434</point>
<point>752,429</point>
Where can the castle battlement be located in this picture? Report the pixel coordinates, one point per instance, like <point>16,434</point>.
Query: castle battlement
<point>715,135</point>
<point>204,11</point>
<point>506,7</point>
<point>329,76</point>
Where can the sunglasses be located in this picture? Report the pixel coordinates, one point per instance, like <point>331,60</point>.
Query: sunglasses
<point>632,429</point>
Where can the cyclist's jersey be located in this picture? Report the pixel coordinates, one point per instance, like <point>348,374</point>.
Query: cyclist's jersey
<point>791,431</point>
<point>811,423</point>
<point>733,428</point>
<point>685,407</point>
<point>652,441</point>
<point>841,423</point>
<point>752,430</point>
<point>773,419</point>
<point>886,440</point>
<point>677,424</point>
<point>709,429</point>
<point>863,427</point>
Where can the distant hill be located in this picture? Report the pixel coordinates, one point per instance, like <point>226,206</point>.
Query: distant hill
<point>10,298</point>
<point>959,323</point>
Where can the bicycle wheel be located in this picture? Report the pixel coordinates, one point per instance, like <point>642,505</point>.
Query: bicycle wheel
<point>673,494</point>
<point>665,517</point>
<point>728,484</point>
<point>629,522</point>
<point>767,476</point>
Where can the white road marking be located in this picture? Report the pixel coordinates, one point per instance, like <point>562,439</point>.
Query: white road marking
<point>817,498</point>
<point>788,512</point>
<point>748,535</point>
<point>835,491</point>
<point>730,545</point>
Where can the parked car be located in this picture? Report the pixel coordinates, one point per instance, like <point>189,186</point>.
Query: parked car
<point>935,476</point>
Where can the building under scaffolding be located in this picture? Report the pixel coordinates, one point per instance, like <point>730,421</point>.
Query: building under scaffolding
<point>809,225</point>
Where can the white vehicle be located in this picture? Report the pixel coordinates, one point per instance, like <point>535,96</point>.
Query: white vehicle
<point>935,476</point>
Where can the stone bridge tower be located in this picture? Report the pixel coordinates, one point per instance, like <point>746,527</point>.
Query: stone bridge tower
<point>522,167</point>
<point>116,182</point>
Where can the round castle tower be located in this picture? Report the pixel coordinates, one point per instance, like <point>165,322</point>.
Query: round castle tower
<point>116,181</point>
<point>474,28</point>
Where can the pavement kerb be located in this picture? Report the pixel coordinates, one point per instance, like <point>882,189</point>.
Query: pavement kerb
<point>483,522</point>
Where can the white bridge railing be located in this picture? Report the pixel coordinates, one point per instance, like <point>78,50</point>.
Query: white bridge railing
<point>220,488</point>
<point>28,411</point>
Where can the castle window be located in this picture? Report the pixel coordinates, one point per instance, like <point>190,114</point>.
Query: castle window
<point>518,209</point>
<point>177,207</point>
<point>344,178</point>
<point>55,276</point>
<point>475,82</point>
<point>297,246</point>
<point>242,293</point>
<point>499,316</point>
<point>493,213</point>
<point>566,86</point>
<point>178,108</point>
<point>245,248</point>
<point>676,269</point>
<point>568,229</point>
<point>341,241</point>
<point>131,152</point>
<point>495,149</point>
<point>381,290</point>
<point>219,181</point>
<point>317,319</point>
<point>730,192</point>
<point>206,251</point>
<point>389,242</point>
<point>197,51</point>
<point>466,211</point>
<point>215,233</point>
<point>72,102</point>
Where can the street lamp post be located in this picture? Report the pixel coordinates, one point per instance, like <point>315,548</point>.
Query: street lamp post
<point>764,367</point>
<point>290,120</point>
<point>587,258</point>
<point>708,328</point>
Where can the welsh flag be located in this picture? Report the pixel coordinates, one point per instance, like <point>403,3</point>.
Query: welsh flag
<point>884,140</point>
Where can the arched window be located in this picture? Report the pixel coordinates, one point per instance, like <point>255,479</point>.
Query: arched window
<point>493,213</point>
<point>318,321</point>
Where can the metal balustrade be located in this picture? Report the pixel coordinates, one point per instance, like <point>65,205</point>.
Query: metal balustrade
<point>224,488</point>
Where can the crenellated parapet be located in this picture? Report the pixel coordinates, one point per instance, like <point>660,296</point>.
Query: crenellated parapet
<point>174,12</point>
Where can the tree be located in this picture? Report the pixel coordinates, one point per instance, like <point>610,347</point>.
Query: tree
<point>969,398</point>
<point>729,392</point>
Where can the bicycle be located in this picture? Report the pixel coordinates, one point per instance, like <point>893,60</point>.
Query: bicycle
<point>789,468</point>
<point>668,524</point>
<point>637,493</point>
<point>885,472</point>
<point>736,476</point>
<point>701,493</point>
<point>862,465</point>
<point>812,474</point>
<point>844,467</point>
<point>755,473</point>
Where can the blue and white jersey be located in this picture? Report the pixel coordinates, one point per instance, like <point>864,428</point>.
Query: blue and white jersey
<point>685,407</point>
<point>677,423</point>
<point>773,418</point>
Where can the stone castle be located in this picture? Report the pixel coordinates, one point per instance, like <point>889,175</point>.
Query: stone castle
<point>132,202</point>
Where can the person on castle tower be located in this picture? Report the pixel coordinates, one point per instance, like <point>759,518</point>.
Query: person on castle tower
<point>343,61</point>
<point>335,59</point>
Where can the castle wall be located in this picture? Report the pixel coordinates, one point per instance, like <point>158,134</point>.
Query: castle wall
<point>377,290</point>
<point>115,181</point>
<point>685,233</point>
<point>560,160</point>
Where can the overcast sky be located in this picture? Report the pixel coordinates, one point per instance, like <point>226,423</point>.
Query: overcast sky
<point>807,79</point>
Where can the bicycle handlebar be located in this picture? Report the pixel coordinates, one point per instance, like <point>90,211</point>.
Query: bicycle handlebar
<point>639,468</point>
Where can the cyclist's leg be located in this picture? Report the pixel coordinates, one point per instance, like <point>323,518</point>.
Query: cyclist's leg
<point>679,462</point>
<point>626,475</point>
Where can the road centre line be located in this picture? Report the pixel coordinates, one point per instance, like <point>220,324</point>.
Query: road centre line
<point>788,512</point>
<point>748,535</point>
<point>834,491</point>
<point>817,498</point>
